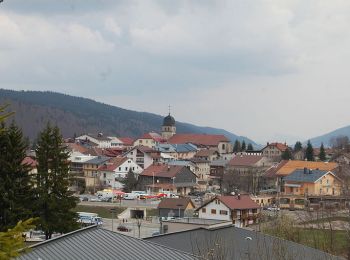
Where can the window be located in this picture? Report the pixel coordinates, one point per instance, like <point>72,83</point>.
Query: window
<point>126,168</point>
<point>131,153</point>
<point>204,210</point>
<point>104,175</point>
<point>120,168</point>
<point>213,211</point>
<point>133,168</point>
<point>223,212</point>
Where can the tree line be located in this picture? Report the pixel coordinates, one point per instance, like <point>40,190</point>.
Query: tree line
<point>41,199</point>
<point>307,153</point>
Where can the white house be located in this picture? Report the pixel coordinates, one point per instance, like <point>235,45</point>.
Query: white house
<point>101,141</point>
<point>240,209</point>
<point>143,156</point>
<point>112,172</point>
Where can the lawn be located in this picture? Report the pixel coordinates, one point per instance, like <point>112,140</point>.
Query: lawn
<point>102,211</point>
<point>334,242</point>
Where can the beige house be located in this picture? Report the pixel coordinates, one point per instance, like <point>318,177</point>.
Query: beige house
<point>274,150</point>
<point>312,182</point>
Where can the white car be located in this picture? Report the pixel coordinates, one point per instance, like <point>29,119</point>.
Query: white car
<point>273,208</point>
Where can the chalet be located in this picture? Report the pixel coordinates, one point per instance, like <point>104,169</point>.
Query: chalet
<point>176,207</point>
<point>150,140</point>
<point>312,182</point>
<point>239,209</point>
<point>112,172</point>
<point>162,177</point>
<point>207,154</point>
<point>274,151</point>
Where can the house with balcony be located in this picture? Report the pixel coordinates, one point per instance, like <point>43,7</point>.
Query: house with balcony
<point>143,156</point>
<point>161,178</point>
<point>112,172</point>
<point>312,182</point>
<point>240,209</point>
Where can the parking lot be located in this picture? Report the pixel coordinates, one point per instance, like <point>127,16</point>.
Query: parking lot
<point>147,228</point>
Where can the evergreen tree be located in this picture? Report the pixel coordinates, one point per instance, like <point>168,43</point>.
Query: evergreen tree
<point>309,152</point>
<point>298,146</point>
<point>54,201</point>
<point>16,187</point>
<point>243,147</point>
<point>286,155</point>
<point>250,147</point>
<point>237,146</point>
<point>322,154</point>
<point>12,241</point>
<point>130,182</point>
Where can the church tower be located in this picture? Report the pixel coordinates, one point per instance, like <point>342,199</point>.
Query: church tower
<point>168,127</point>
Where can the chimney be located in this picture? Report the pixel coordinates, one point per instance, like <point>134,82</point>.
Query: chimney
<point>168,167</point>
<point>239,196</point>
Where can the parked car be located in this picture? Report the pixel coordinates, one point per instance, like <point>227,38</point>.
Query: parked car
<point>123,228</point>
<point>95,199</point>
<point>273,208</point>
<point>84,199</point>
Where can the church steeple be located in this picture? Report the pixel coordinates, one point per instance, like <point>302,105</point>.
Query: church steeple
<point>168,127</point>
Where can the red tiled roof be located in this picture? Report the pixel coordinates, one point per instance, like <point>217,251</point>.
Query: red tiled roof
<point>162,170</point>
<point>279,146</point>
<point>272,171</point>
<point>175,203</point>
<point>155,136</point>
<point>126,140</point>
<point>30,162</point>
<point>243,202</point>
<point>245,160</point>
<point>115,163</point>
<point>76,147</point>
<point>233,202</point>
<point>198,139</point>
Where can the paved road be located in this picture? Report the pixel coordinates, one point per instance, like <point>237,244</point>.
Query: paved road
<point>124,203</point>
<point>147,228</point>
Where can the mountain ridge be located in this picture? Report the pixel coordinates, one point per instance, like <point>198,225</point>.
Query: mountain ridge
<point>77,115</point>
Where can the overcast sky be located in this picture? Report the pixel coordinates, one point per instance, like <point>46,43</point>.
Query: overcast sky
<point>271,70</point>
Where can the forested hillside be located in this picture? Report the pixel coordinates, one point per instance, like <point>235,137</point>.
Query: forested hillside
<point>76,115</point>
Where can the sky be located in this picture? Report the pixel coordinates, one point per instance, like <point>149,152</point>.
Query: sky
<point>270,70</point>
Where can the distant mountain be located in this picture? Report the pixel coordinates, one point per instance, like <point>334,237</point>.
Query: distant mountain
<point>76,115</point>
<point>326,139</point>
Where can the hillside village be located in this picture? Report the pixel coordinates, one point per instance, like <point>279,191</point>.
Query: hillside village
<point>204,181</point>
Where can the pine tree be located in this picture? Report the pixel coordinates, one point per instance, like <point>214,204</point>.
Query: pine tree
<point>237,146</point>
<point>16,187</point>
<point>130,182</point>
<point>309,152</point>
<point>286,155</point>
<point>250,147</point>
<point>54,201</point>
<point>12,241</point>
<point>322,154</point>
<point>243,147</point>
<point>298,146</point>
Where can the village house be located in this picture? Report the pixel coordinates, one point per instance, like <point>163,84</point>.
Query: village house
<point>274,151</point>
<point>245,164</point>
<point>202,171</point>
<point>32,164</point>
<point>175,208</point>
<point>216,142</point>
<point>143,156</point>
<point>208,155</point>
<point>90,169</point>
<point>99,141</point>
<point>240,209</point>
<point>159,178</point>
<point>112,172</point>
<point>312,182</point>
<point>150,140</point>
<point>178,151</point>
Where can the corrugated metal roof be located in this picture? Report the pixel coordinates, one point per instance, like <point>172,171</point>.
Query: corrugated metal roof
<point>97,243</point>
<point>229,243</point>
